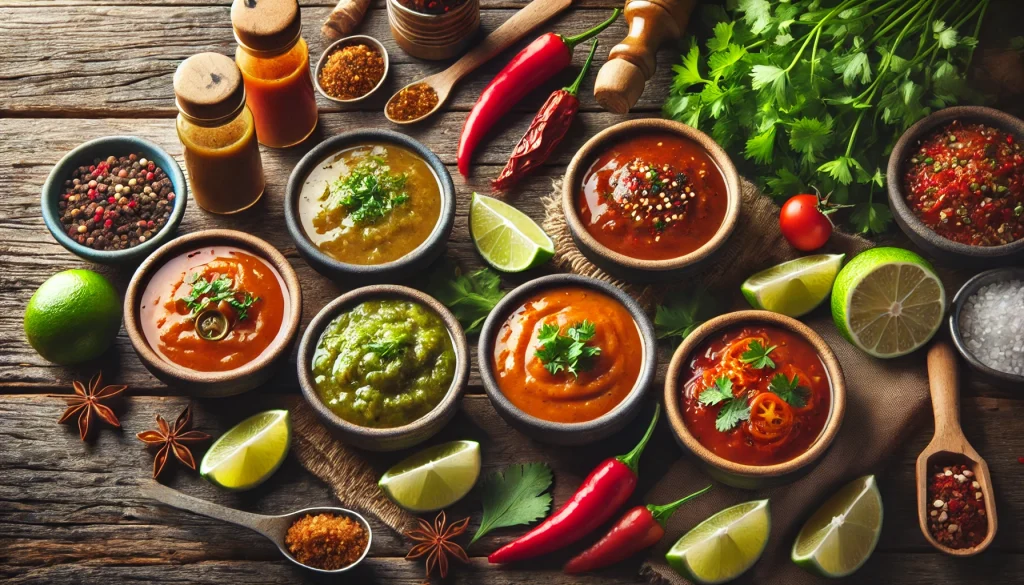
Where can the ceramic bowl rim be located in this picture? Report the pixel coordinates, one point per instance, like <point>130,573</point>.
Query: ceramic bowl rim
<point>334,144</point>
<point>582,159</point>
<point>74,157</point>
<point>674,386</point>
<point>345,41</point>
<point>307,346</point>
<point>910,223</point>
<point>501,311</point>
<point>969,288</point>
<point>259,247</point>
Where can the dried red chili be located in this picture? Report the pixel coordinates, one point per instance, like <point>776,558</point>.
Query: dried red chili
<point>956,516</point>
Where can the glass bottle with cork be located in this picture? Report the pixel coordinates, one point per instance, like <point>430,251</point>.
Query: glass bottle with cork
<point>274,60</point>
<point>219,135</point>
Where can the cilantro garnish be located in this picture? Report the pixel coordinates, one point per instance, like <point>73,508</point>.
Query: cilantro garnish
<point>369,192</point>
<point>790,390</point>
<point>471,297</point>
<point>568,352</point>
<point>206,292</point>
<point>388,349</point>
<point>756,355</point>
<point>734,409</point>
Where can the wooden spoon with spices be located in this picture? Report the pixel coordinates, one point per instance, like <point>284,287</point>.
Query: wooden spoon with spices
<point>441,84</point>
<point>275,528</point>
<point>948,447</point>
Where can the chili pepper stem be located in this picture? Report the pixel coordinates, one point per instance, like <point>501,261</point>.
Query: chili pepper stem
<point>632,459</point>
<point>663,513</point>
<point>575,87</point>
<point>574,40</point>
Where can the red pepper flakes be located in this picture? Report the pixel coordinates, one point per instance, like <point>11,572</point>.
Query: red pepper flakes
<point>956,514</point>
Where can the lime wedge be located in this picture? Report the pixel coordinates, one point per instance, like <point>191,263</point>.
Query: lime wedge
<point>843,532</point>
<point>724,546</point>
<point>434,478</point>
<point>888,302</point>
<point>796,287</point>
<point>250,452</point>
<point>506,238</point>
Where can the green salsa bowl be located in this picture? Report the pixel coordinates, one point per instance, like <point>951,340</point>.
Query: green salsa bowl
<point>383,366</point>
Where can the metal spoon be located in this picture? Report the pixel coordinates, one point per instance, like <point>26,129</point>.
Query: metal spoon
<point>273,527</point>
<point>515,28</point>
<point>950,446</point>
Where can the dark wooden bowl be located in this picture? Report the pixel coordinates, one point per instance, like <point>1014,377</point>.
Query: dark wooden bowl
<point>395,438</point>
<point>737,474</point>
<point>969,288</point>
<point>934,245</point>
<point>558,433</point>
<point>212,384</point>
<point>633,269</point>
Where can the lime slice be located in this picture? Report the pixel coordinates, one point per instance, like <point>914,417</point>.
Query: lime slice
<point>888,302</point>
<point>724,546</point>
<point>434,478</point>
<point>793,288</point>
<point>250,452</point>
<point>843,532</point>
<point>506,238</point>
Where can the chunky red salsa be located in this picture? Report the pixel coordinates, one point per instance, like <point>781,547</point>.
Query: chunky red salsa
<point>653,197</point>
<point>757,395</point>
<point>966,182</point>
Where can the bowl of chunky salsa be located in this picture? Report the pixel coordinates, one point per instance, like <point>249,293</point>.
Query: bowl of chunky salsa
<point>756,396</point>
<point>956,185</point>
<point>650,199</point>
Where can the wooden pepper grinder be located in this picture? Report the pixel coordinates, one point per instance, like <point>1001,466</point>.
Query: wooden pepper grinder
<point>631,63</point>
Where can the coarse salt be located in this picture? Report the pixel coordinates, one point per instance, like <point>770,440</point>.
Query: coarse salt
<point>992,326</point>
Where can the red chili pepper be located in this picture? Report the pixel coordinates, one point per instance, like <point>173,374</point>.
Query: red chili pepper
<point>534,65</point>
<point>598,497</point>
<point>546,131</point>
<point>639,528</point>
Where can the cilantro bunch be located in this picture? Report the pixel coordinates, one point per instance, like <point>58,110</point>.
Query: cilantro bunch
<point>815,93</point>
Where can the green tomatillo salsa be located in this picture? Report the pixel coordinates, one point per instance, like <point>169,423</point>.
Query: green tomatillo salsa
<point>384,363</point>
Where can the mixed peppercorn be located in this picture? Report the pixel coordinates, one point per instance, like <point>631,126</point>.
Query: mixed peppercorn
<point>116,203</point>
<point>956,515</point>
<point>651,196</point>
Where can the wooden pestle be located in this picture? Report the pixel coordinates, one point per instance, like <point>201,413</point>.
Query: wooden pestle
<point>631,63</point>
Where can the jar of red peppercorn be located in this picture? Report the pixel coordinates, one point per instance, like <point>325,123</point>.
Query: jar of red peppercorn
<point>434,29</point>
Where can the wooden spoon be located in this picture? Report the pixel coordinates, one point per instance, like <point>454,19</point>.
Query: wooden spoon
<point>273,527</point>
<point>949,446</point>
<point>515,28</point>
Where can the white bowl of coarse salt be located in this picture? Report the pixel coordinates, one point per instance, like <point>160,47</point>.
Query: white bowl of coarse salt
<point>987,323</point>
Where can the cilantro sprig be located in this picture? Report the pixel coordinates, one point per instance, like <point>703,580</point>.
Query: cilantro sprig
<point>388,349</point>
<point>568,352</point>
<point>790,390</point>
<point>734,408</point>
<point>210,292</point>
<point>756,355</point>
<point>678,318</point>
<point>369,191</point>
<point>471,297</point>
<point>516,495</point>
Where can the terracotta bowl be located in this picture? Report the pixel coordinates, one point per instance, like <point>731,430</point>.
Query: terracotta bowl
<point>931,243</point>
<point>558,433</point>
<point>391,439</point>
<point>633,269</point>
<point>434,36</point>
<point>213,384</point>
<point>736,474</point>
<point>966,291</point>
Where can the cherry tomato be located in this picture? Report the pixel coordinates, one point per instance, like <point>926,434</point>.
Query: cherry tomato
<point>803,223</point>
<point>770,417</point>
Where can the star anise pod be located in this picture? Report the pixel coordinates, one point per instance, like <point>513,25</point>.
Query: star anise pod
<point>173,439</point>
<point>87,403</point>
<point>436,543</point>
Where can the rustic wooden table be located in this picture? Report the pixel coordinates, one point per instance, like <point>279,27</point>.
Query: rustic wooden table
<point>70,511</point>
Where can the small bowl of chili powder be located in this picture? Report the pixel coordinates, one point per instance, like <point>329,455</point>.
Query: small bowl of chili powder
<point>351,69</point>
<point>956,186</point>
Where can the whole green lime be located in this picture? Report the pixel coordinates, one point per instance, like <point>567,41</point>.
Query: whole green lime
<point>73,317</point>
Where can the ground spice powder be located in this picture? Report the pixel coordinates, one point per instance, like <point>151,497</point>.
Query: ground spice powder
<point>326,541</point>
<point>352,72</point>
<point>412,102</point>
<point>956,514</point>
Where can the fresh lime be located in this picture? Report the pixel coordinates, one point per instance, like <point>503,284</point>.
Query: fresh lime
<point>434,478</point>
<point>843,532</point>
<point>888,302</point>
<point>796,287</point>
<point>250,452</point>
<point>724,546</point>
<point>73,317</point>
<point>506,238</point>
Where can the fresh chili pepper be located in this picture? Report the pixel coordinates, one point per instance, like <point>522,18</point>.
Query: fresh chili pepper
<point>607,487</point>
<point>546,131</point>
<point>639,528</point>
<point>534,65</point>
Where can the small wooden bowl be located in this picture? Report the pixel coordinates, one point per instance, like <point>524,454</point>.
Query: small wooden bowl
<point>345,42</point>
<point>969,288</point>
<point>558,433</point>
<point>395,438</point>
<point>934,245</point>
<point>632,269</point>
<point>737,474</point>
<point>213,384</point>
<point>434,36</point>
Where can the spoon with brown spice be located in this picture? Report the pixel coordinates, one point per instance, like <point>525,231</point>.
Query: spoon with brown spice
<point>948,448</point>
<point>422,98</point>
<point>274,528</point>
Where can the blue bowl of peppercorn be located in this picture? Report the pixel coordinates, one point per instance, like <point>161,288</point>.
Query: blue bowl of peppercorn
<point>114,200</point>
